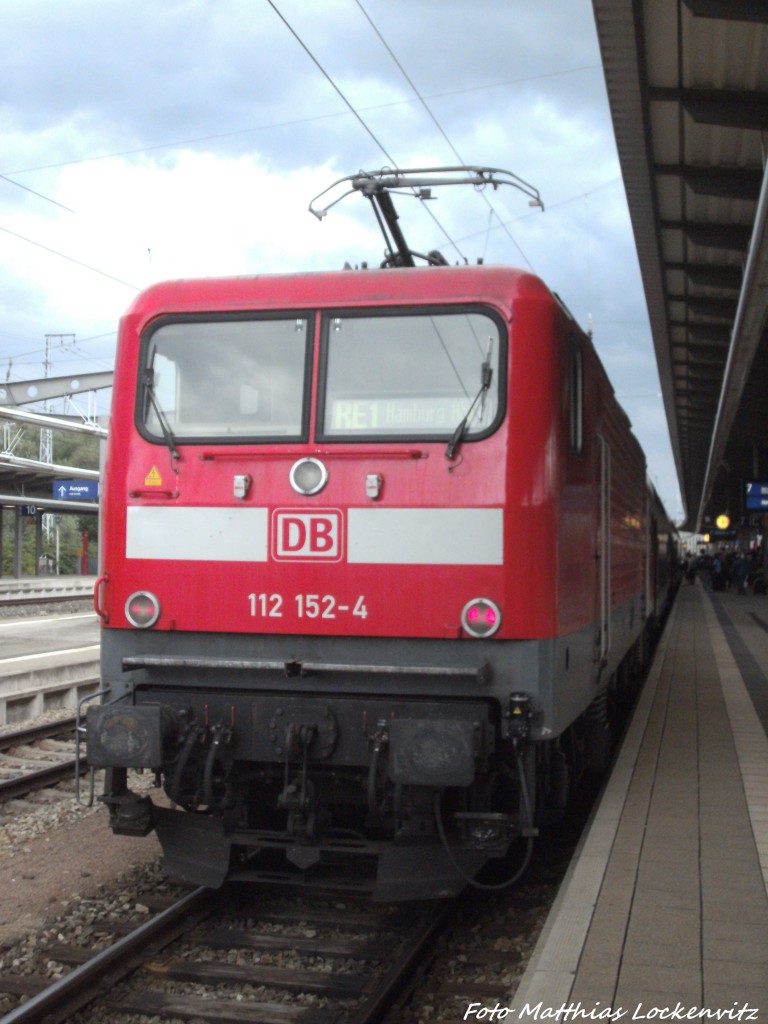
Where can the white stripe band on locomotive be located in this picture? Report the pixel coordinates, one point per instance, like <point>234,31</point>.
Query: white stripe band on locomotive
<point>401,536</point>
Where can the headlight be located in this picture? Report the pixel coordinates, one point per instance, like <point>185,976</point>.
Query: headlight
<point>308,476</point>
<point>481,617</point>
<point>142,609</point>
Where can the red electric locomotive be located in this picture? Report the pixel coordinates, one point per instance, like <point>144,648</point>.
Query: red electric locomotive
<point>377,548</point>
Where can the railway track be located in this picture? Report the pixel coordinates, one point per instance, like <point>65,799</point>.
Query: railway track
<point>36,757</point>
<point>242,955</point>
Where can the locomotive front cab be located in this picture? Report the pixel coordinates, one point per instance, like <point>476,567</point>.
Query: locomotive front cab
<point>314,633</point>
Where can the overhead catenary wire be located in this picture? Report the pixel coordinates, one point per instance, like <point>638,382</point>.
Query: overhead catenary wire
<point>39,195</point>
<point>338,91</point>
<point>579,197</point>
<point>70,259</point>
<point>331,82</point>
<point>172,144</point>
<point>437,124</point>
<point>419,98</point>
<point>352,109</point>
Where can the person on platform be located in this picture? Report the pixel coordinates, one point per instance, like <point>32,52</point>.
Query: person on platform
<point>739,573</point>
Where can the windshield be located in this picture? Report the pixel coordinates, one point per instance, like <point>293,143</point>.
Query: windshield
<point>227,379</point>
<point>414,375</point>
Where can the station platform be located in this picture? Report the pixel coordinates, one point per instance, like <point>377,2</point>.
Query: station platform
<point>663,913</point>
<point>45,587</point>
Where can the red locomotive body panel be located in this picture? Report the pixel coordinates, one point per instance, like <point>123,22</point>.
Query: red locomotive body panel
<point>501,520</point>
<point>486,523</point>
<point>372,543</point>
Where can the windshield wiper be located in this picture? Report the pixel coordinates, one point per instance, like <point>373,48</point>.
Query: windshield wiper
<point>458,434</point>
<point>170,440</point>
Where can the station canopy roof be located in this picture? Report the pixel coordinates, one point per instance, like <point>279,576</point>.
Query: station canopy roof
<point>688,88</point>
<point>28,482</point>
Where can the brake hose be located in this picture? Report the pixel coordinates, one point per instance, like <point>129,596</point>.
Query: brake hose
<point>529,845</point>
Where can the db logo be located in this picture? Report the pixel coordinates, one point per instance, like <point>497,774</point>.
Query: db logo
<point>307,535</point>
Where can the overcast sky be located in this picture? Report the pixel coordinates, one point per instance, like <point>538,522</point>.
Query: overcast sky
<point>149,140</point>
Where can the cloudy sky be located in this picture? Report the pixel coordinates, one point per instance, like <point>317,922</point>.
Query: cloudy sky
<point>149,140</point>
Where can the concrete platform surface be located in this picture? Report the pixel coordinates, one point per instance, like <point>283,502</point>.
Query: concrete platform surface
<point>664,912</point>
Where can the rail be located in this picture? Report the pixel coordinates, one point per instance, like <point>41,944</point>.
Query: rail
<point>188,942</point>
<point>37,767</point>
<point>76,989</point>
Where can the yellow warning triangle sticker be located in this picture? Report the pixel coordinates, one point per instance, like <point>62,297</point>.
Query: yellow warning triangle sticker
<point>153,478</point>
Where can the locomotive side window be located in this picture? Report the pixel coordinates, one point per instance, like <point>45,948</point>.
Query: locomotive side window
<point>226,379</point>
<point>414,375</point>
<point>576,400</point>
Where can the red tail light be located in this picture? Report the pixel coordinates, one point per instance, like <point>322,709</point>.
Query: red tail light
<point>481,617</point>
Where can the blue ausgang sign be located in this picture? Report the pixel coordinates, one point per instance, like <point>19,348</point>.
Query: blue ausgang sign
<point>69,490</point>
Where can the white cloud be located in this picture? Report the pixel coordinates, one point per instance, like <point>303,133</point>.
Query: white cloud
<point>87,78</point>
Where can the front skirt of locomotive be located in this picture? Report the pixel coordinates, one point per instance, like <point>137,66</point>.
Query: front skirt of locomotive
<point>403,798</point>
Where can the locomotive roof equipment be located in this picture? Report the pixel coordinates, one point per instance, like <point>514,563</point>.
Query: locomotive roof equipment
<point>378,186</point>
